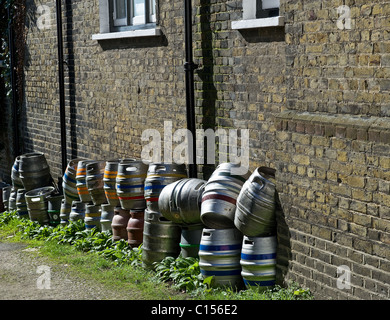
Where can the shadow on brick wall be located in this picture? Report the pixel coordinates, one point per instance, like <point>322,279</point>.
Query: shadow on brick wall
<point>283,252</point>
<point>271,34</point>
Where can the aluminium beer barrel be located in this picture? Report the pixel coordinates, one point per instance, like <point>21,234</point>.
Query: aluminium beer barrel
<point>109,180</point>
<point>54,209</point>
<point>219,256</point>
<point>92,217</point>
<point>6,192</point>
<point>37,205</point>
<point>15,176</point>
<point>130,182</point>
<point>161,239</point>
<point>65,212</point>
<point>69,181</point>
<point>106,216</point>
<point>190,240</point>
<point>12,200</point>
<point>180,201</point>
<point>94,181</point>
<point>81,183</point>
<point>258,261</point>
<point>21,205</point>
<point>159,175</point>
<point>77,211</point>
<point>34,171</point>
<point>255,208</point>
<point>220,195</point>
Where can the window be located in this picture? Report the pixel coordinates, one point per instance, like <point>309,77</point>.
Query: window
<point>259,14</point>
<point>128,14</point>
<point>127,19</point>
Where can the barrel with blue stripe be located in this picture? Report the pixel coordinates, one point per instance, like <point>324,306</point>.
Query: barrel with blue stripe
<point>21,205</point>
<point>258,261</point>
<point>94,181</point>
<point>109,179</point>
<point>16,181</point>
<point>159,175</point>
<point>92,217</point>
<point>69,182</point>
<point>219,256</point>
<point>130,182</point>
<point>81,184</point>
<point>220,195</point>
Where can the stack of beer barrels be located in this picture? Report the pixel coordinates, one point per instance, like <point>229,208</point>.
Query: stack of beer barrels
<point>235,220</point>
<point>33,190</point>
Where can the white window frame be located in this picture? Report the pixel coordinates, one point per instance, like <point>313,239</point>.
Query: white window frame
<point>249,20</point>
<point>106,20</point>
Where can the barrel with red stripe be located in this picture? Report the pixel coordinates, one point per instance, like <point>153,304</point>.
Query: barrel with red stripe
<point>258,261</point>
<point>81,183</point>
<point>159,175</point>
<point>69,182</point>
<point>130,182</point>
<point>219,256</point>
<point>109,179</point>
<point>220,196</point>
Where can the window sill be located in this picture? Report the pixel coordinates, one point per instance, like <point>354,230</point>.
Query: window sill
<point>151,32</point>
<point>258,23</point>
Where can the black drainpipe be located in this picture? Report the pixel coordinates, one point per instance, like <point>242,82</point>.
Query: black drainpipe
<point>61,85</point>
<point>13,83</point>
<point>189,67</point>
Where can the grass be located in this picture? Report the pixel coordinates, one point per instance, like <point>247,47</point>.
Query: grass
<point>93,256</point>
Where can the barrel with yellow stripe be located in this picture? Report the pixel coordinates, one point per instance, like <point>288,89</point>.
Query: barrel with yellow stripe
<point>258,261</point>
<point>69,182</point>
<point>109,179</point>
<point>81,183</point>
<point>159,175</point>
<point>130,182</point>
<point>92,217</point>
<point>219,256</point>
<point>220,196</point>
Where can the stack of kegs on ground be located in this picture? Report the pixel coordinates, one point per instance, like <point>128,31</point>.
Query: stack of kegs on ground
<point>33,190</point>
<point>234,223</point>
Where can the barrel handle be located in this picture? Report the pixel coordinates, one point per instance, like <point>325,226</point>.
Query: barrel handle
<point>131,169</point>
<point>206,234</point>
<point>260,181</point>
<point>160,168</point>
<point>35,199</point>
<point>251,242</point>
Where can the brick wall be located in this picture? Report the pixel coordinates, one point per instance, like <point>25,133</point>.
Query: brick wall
<point>332,149</point>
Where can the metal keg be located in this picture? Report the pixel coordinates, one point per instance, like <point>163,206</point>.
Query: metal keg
<point>15,177</point>
<point>135,228</point>
<point>119,223</point>
<point>6,191</point>
<point>54,208</point>
<point>130,183</point>
<point>77,211</point>
<point>180,201</point>
<point>258,261</point>
<point>109,180</point>
<point>255,208</point>
<point>65,212</point>
<point>106,216</point>
<point>69,181</point>
<point>12,200</point>
<point>159,175</point>
<point>94,181</point>
<point>220,196</point>
<point>81,183</point>
<point>21,205</point>
<point>92,216</point>
<point>34,171</point>
<point>2,186</point>
<point>37,204</point>
<point>190,240</point>
<point>219,256</point>
<point>161,238</point>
